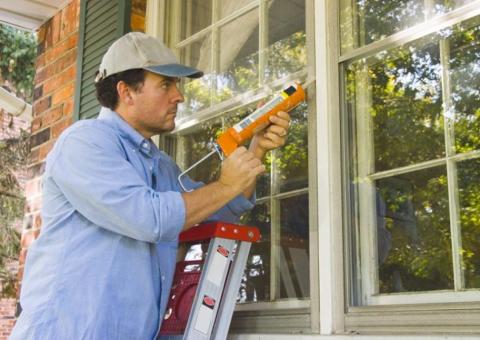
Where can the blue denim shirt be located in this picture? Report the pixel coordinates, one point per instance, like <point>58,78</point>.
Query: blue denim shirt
<point>102,266</point>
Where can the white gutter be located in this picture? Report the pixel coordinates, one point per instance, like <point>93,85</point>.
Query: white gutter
<point>14,105</point>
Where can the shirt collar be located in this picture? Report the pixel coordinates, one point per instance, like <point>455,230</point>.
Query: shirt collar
<point>126,130</point>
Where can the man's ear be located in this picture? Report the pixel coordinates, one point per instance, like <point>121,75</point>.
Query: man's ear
<point>124,93</point>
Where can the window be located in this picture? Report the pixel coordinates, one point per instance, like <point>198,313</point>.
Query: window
<point>411,89</point>
<point>248,50</point>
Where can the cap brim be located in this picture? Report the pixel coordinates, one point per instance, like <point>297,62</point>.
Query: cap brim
<point>175,70</point>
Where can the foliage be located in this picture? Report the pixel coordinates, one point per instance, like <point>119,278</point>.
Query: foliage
<point>13,157</point>
<point>17,56</point>
<point>17,61</point>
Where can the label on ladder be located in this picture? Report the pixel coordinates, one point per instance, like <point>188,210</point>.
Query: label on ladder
<point>219,265</point>
<point>205,315</point>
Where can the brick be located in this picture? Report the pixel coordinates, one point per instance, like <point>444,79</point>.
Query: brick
<point>40,75</point>
<point>41,48</point>
<point>60,49</point>
<point>40,137</point>
<point>59,127</point>
<point>33,157</point>
<point>39,61</point>
<point>41,105</point>
<point>68,107</point>
<point>66,92</point>
<point>57,81</point>
<point>23,256</point>
<point>37,221</point>
<point>69,17</point>
<point>41,34</point>
<point>36,124</point>
<point>28,236</point>
<point>56,22</point>
<point>44,149</point>
<point>52,116</point>
<point>37,92</point>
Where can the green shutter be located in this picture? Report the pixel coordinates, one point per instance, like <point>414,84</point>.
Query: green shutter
<point>101,23</point>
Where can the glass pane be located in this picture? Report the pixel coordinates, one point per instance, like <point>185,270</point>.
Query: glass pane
<point>413,232</point>
<point>255,284</point>
<point>291,160</point>
<point>197,145</point>
<point>227,7</point>
<point>196,15</point>
<point>464,66</point>
<point>238,56</point>
<point>398,102</point>
<point>444,6</point>
<point>286,51</point>
<point>469,192</point>
<point>363,22</point>
<point>293,258</point>
<point>197,92</point>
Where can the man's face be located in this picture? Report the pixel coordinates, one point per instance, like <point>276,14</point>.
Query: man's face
<point>155,103</point>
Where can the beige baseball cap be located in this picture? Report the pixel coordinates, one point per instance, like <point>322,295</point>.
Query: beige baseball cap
<point>138,50</point>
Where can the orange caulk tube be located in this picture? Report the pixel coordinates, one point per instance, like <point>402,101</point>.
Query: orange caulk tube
<point>260,118</point>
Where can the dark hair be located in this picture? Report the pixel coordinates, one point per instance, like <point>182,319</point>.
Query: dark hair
<point>107,88</point>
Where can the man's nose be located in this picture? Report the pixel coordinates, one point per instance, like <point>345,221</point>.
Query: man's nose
<point>178,96</point>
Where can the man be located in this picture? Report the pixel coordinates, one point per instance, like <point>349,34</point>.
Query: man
<point>112,207</point>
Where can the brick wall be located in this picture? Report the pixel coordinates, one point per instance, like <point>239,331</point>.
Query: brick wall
<point>53,104</point>
<point>7,317</point>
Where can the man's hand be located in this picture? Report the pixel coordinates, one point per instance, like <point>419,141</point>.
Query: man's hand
<point>272,137</point>
<point>238,175</point>
<point>240,169</point>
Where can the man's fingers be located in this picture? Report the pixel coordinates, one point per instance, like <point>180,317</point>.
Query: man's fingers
<point>282,119</point>
<point>278,130</point>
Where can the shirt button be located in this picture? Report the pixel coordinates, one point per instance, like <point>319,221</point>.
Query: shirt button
<point>163,277</point>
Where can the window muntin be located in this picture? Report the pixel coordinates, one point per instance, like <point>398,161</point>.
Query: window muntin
<point>367,21</point>
<point>412,113</point>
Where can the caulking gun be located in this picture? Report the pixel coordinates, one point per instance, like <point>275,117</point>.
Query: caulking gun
<point>235,136</point>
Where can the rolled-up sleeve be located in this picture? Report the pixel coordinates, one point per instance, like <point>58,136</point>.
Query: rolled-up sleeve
<point>99,182</point>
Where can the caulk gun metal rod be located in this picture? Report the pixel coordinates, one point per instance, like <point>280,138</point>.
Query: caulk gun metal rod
<point>200,161</point>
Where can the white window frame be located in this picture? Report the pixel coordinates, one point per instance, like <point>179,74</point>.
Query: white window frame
<point>426,312</point>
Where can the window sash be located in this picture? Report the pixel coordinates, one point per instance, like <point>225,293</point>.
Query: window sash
<point>188,124</point>
<point>366,201</point>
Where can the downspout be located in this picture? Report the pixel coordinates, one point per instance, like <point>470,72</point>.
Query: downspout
<point>15,106</point>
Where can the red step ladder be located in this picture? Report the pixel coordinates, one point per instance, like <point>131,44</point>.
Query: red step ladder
<point>204,292</point>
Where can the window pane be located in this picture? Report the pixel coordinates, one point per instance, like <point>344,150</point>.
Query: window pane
<point>227,7</point>
<point>238,56</point>
<point>293,256</point>
<point>413,232</point>
<point>398,99</point>
<point>469,191</point>
<point>464,72</point>
<point>367,21</point>
<point>444,6</point>
<point>286,39</point>
<point>255,284</point>
<point>291,161</point>
<point>196,15</point>
<point>197,92</point>
<point>197,145</point>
